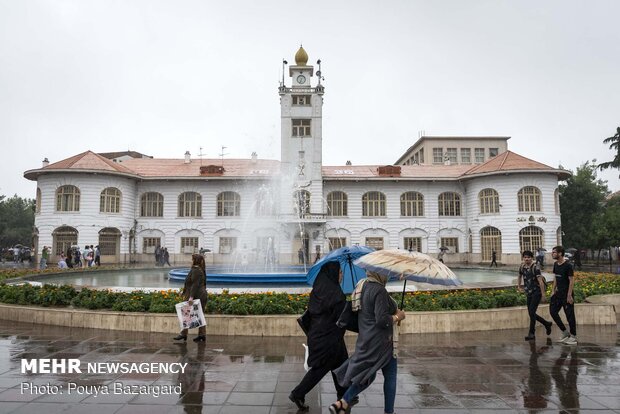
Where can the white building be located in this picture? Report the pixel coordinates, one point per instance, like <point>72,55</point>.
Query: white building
<point>470,195</point>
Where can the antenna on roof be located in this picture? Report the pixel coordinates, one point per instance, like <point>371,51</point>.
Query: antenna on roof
<point>222,154</point>
<point>200,154</point>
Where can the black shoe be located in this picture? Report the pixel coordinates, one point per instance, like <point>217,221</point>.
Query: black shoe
<point>530,337</point>
<point>354,401</point>
<point>179,337</point>
<point>299,402</point>
<point>200,338</point>
<point>548,327</point>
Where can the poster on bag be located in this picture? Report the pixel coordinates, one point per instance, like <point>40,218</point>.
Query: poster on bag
<point>190,316</point>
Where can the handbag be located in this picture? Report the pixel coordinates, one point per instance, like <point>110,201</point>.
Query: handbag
<point>304,322</point>
<point>348,319</point>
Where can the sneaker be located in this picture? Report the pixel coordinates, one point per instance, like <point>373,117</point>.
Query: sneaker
<point>299,402</point>
<point>571,340</point>
<point>548,327</point>
<point>565,336</point>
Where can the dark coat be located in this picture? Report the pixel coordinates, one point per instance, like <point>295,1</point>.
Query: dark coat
<point>374,347</point>
<point>196,286</point>
<point>325,339</point>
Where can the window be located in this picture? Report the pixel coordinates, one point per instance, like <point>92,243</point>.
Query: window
<point>373,204</point>
<point>63,238</point>
<point>336,242</point>
<point>189,245</point>
<point>302,100</point>
<point>149,244</point>
<point>451,243</point>
<point>489,201</point>
<point>437,155</point>
<point>558,236</point>
<point>109,241</point>
<point>530,238</point>
<point>228,204</point>
<point>449,204</point>
<point>465,155</point>
<point>336,203</point>
<point>556,198</point>
<point>413,244</point>
<point>68,198</point>
<point>479,155</point>
<point>301,127</point>
<point>190,204</point>
<point>451,155</point>
<point>228,245</point>
<point>110,200</point>
<point>38,201</point>
<point>302,203</point>
<point>529,199</point>
<point>493,152</point>
<point>411,204</point>
<point>375,242</point>
<point>490,240</point>
<point>421,156</point>
<point>152,205</point>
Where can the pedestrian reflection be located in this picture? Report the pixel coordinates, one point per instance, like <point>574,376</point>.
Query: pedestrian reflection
<point>193,379</point>
<point>564,373</point>
<point>538,384</point>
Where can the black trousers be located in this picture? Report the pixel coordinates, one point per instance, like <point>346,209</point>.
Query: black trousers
<point>558,301</point>
<point>532,306</point>
<point>316,374</point>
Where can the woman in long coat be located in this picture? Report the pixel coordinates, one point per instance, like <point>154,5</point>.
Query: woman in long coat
<point>196,288</point>
<point>374,350</point>
<point>326,347</point>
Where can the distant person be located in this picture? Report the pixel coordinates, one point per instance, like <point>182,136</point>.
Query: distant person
<point>16,254</point>
<point>577,258</point>
<point>317,256</point>
<point>62,263</point>
<point>157,255</point>
<point>44,256</point>
<point>326,347</point>
<point>77,257</point>
<point>493,258</point>
<point>300,255</point>
<point>540,257</point>
<point>97,256</point>
<point>532,279</point>
<point>440,255</point>
<point>562,296</point>
<point>166,257</point>
<point>69,258</point>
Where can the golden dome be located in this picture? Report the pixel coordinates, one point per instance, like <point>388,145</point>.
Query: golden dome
<point>301,57</point>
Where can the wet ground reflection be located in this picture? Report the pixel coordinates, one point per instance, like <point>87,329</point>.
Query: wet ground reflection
<point>458,372</point>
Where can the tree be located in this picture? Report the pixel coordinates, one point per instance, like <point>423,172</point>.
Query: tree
<point>614,144</point>
<point>582,200</point>
<point>16,221</point>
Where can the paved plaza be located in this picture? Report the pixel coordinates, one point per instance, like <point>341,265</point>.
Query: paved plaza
<point>493,371</point>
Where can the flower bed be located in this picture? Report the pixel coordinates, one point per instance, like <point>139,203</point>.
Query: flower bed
<point>586,284</point>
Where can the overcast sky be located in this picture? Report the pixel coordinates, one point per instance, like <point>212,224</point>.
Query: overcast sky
<point>163,77</point>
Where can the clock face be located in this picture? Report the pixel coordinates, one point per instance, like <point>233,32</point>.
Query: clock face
<point>301,79</point>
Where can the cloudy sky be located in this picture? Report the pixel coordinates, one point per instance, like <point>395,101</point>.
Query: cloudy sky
<point>163,77</point>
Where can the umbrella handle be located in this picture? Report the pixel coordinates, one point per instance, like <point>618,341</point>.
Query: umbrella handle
<point>402,300</point>
<point>352,271</point>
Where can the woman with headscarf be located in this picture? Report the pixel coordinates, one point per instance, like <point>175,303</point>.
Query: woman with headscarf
<point>374,350</point>
<point>196,288</point>
<point>326,347</point>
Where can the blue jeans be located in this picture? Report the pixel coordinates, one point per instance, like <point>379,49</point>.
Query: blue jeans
<point>389,386</point>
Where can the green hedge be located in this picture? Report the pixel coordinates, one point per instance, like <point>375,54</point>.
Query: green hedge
<point>586,284</point>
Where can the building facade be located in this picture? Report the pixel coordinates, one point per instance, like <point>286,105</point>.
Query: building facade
<point>288,210</point>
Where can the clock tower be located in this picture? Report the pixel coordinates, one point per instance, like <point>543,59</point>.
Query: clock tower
<point>301,116</point>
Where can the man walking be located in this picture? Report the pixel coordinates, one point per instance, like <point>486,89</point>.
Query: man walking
<point>562,296</point>
<point>493,258</point>
<point>532,279</point>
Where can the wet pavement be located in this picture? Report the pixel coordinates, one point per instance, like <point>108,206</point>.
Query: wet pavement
<point>494,371</point>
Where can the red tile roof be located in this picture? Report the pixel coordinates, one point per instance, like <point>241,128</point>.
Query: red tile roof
<point>88,160</point>
<point>165,167</point>
<point>508,161</point>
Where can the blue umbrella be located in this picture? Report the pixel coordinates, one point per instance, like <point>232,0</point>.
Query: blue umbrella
<point>351,274</point>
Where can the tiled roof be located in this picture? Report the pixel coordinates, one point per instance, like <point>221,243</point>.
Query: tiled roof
<point>353,172</point>
<point>508,161</point>
<point>88,160</point>
<point>165,167</point>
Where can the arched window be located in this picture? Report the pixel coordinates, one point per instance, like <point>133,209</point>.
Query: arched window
<point>337,204</point>
<point>38,201</point>
<point>190,204</point>
<point>302,202</point>
<point>411,204</point>
<point>373,204</point>
<point>152,205</point>
<point>68,198</point>
<point>63,238</point>
<point>109,241</point>
<point>110,200</point>
<point>449,204</point>
<point>228,204</point>
<point>531,238</point>
<point>489,201</point>
<point>490,240</point>
<point>556,198</point>
<point>529,199</point>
